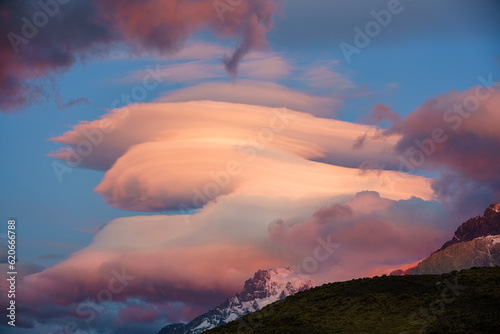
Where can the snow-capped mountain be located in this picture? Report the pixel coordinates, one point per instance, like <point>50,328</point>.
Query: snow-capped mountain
<point>266,287</point>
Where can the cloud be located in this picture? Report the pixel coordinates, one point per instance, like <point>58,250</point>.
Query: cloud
<point>257,93</point>
<point>72,103</point>
<point>76,31</point>
<point>196,264</point>
<point>134,313</point>
<point>173,263</point>
<point>196,50</point>
<point>371,233</point>
<point>162,156</point>
<point>379,114</point>
<point>456,134</point>
<point>322,74</point>
<point>260,66</point>
<point>264,67</point>
<point>358,143</point>
<point>263,199</point>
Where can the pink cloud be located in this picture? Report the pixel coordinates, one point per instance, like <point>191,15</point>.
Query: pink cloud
<point>455,134</point>
<point>325,75</point>
<point>176,268</point>
<point>264,66</point>
<point>169,155</point>
<point>371,232</point>
<point>257,93</point>
<point>379,114</point>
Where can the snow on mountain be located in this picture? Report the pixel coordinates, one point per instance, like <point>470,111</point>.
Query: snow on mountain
<point>266,287</point>
<point>495,207</point>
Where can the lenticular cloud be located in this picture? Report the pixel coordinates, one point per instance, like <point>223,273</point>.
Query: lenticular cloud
<point>171,156</point>
<point>271,185</point>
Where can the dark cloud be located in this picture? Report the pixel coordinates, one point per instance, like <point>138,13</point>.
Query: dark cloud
<point>358,143</point>
<point>43,41</point>
<point>31,52</point>
<point>72,103</point>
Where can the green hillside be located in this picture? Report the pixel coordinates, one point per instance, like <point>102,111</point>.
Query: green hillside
<point>459,302</point>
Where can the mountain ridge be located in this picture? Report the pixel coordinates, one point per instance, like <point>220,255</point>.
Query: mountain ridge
<point>464,302</point>
<point>475,243</point>
<point>266,287</point>
<point>480,226</point>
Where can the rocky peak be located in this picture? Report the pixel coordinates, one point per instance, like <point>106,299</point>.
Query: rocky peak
<point>401,272</point>
<point>480,226</point>
<point>267,283</point>
<point>494,207</point>
<point>266,287</point>
<point>256,287</point>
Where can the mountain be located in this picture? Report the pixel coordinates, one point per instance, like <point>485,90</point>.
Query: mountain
<point>479,252</point>
<point>266,287</point>
<point>480,226</point>
<point>459,302</point>
<point>401,272</point>
<point>476,243</point>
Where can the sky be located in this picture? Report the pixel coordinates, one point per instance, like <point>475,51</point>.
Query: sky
<point>158,153</point>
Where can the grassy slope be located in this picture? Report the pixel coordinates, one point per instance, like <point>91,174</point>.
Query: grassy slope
<point>396,304</point>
